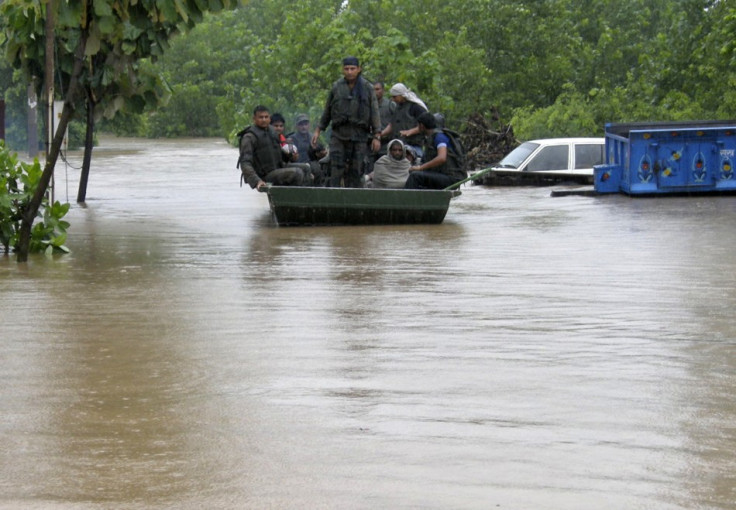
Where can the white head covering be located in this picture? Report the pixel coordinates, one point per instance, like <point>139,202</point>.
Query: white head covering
<point>389,172</point>
<point>402,90</point>
<point>391,144</point>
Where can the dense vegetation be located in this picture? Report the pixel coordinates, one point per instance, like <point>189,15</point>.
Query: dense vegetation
<point>549,67</point>
<point>18,183</point>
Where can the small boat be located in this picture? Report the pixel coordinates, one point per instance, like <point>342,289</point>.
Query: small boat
<point>293,206</point>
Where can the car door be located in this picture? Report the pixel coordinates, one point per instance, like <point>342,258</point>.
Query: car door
<point>586,156</point>
<point>551,158</point>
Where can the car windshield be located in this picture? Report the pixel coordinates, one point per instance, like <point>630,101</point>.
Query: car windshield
<point>517,156</point>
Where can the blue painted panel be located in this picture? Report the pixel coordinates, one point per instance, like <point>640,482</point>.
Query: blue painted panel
<point>673,157</point>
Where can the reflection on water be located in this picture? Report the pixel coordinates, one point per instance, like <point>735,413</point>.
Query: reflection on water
<point>530,352</point>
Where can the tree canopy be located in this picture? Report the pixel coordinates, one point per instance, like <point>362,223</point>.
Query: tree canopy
<point>96,47</point>
<point>549,66</point>
<point>552,66</point>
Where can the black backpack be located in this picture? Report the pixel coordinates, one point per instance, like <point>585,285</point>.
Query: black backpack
<point>240,134</point>
<point>460,153</point>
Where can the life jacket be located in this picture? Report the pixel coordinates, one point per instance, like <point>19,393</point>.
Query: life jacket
<point>352,107</point>
<point>401,120</point>
<point>267,155</point>
<point>302,141</point>
<point>456,163</point>
<point>386,109</point>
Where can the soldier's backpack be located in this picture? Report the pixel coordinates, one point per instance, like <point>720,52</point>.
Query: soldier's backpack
<point>239,135</point>
<point>461,157</point>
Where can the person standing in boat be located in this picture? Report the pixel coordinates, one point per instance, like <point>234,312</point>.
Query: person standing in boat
<point>262,159</point>
<point>442,166</point>
<point>352,109</point>
<point>385,109</point>
<point>404,117</point>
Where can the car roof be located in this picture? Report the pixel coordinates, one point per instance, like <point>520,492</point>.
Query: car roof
<point>556,141</point>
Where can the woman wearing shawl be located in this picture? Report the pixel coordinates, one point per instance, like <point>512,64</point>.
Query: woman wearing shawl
<point>404,117</point>
<point>391,170</point>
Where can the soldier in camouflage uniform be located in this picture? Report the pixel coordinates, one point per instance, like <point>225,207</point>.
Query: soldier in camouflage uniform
<point>352,109</point>
<point>262,159</point>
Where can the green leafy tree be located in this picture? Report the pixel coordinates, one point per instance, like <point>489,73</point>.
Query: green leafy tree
<point>570,115</point>
<point>200,68</point>
<point>634,60</point>
<point>118,32</point>
<point>707,69</point>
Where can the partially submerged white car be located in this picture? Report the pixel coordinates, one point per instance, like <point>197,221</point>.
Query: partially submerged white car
<point>551,160</point>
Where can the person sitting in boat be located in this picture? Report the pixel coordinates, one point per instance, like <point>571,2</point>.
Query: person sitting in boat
<point>391,170</point>
<point>441,167</point>
<point>261,158</point>
<point>302,137</point>
<point>278,123</point>
<point>411,155</point>
<point>319,162</point>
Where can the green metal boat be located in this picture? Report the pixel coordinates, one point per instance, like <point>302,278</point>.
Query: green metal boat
<point>293,206</point>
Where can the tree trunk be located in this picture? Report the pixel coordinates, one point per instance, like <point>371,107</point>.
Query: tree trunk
<point>88,141</point>
<point>29,215</point>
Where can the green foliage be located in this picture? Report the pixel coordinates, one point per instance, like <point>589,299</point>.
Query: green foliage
<point>190,112</point>
<point>570,115</point>
<point>98,47</point>
<point>76,133</point>
<point>125,124</point>
<point>120,34</point>
<point>557,66</point>
<point>50,234</point>
<point>16,111</point>
<point>18,183</point>
<point>560,64</point>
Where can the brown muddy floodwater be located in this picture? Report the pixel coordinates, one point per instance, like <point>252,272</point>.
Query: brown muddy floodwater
<point>529,353</point>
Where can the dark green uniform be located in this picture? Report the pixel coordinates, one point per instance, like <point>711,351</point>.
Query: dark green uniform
<point>261,158</point>
<point>385,110</point>
<point>404,118</point>
<point>354,115</point>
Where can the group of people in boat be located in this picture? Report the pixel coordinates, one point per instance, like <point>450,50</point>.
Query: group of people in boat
<point>374,141</point>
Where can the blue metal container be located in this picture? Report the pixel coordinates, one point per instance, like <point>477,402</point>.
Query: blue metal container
<point>668,157</point>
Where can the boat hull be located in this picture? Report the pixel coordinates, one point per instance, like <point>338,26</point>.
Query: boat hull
<point>293,206</point>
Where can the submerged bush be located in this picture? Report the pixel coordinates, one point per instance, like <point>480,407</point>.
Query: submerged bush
<point>18,183</point>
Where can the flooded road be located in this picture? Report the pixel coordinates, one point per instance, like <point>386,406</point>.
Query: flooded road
<point>529,353</point>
